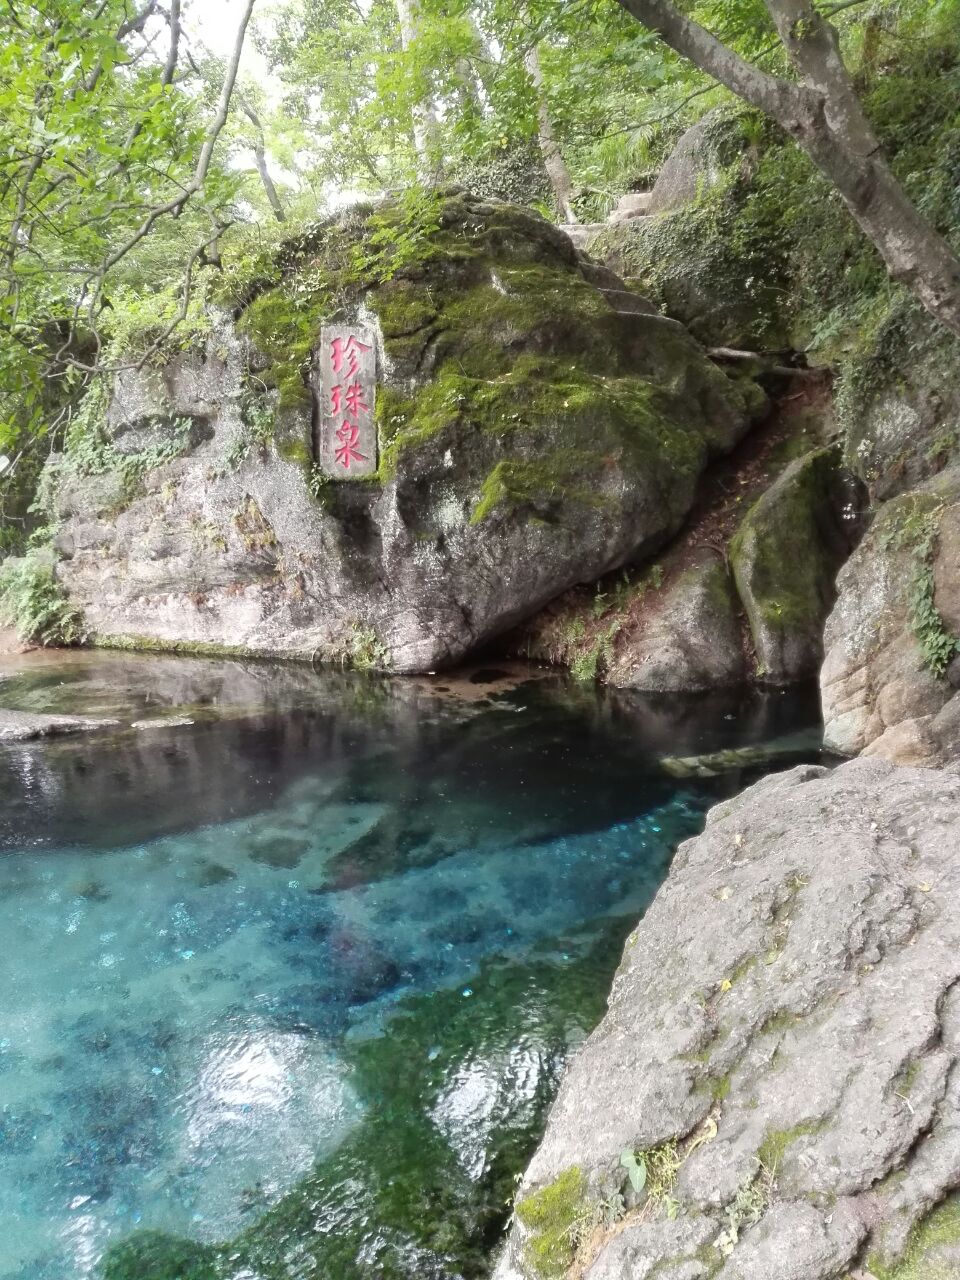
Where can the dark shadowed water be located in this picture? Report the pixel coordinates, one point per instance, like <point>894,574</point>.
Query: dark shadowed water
<point>285,992</point>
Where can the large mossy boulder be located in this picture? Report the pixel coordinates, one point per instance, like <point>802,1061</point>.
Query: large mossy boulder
<point>773,1092</point>
<point>710,253</point>
<point>785,558</point>
<point>685,621</point>
<point>533,434</point>
<point>695,165</point>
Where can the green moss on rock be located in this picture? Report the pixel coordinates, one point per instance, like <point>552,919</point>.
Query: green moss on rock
<point>154,644</point>
<point>777,1142</point>
<point>285,331</point>
<point>933,1250</point>
<point>551,1216</point>
<point>785,557</point>
<point>154,1255</point>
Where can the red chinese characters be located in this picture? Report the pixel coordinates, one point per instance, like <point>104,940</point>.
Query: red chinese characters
<point>348,433</point>
<point>348,349</point>
<point>353,397</point>
<point>348,387</point>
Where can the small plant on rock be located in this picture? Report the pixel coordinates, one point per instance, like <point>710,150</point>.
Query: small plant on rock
<point>33,603</point>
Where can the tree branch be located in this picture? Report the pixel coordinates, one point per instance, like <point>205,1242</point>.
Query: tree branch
<point>260,156</point>
<point>139,21</point>
<point>780,98</point>
<point>175,206</point>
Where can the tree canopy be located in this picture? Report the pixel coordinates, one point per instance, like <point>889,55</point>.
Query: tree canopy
<point>134,163</point>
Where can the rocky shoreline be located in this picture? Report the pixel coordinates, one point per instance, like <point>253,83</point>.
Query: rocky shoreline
<point>780,1056</point>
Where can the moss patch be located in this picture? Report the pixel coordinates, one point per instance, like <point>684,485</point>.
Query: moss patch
<point>939,1232</point>
<point>551,1215</point>
<point>776,1143</point>
<point>154,1255</point>
<point>286,332</point>
<point>189,648</point>
<point>785,557</point>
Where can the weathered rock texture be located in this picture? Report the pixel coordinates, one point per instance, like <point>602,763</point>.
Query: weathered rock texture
<point>902,425</point>
<point>688,638</point>
<point>693,167</point>
<point>537,429</point>
<point>781,1051</point>
<point>892,634</point>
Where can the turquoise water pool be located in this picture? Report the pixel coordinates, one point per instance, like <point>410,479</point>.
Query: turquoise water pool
<point>288,990</point>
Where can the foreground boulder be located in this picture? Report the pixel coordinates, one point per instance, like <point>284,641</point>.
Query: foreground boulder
<point>773,1092</point>
<point>537,429</point>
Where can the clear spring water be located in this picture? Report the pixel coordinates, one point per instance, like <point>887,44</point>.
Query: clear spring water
<point>285,993</point>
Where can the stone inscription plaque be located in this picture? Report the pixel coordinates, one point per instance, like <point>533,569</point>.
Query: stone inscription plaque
<point>348,387</point>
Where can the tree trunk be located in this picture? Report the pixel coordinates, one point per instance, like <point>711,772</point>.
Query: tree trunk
<point>824,115</point>
<point>426,131</point>
<point>260,157</point>
<point>553,160</point>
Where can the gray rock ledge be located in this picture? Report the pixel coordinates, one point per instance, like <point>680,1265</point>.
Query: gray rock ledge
<point>783,1037</point>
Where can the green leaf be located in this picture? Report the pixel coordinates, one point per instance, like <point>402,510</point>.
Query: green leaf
<point>636,1168</point>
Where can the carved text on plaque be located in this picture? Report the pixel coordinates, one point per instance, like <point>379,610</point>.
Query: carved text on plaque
<point>348,388</point>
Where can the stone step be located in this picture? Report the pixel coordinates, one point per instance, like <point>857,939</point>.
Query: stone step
<point>636,204</point>
<point>581,233</point>
<point>598,274</point>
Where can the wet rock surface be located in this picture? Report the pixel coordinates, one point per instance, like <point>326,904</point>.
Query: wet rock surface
<point>780,1051</point>
<point>21,726</point>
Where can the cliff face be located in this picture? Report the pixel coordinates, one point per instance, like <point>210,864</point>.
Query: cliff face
<point>539,426</point>
<point>773,1092</point>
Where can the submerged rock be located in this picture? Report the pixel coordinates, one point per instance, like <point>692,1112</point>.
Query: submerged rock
<point>714,764</point>
<point>21,726</point>
<point>780,1055</point>
<point>535,432</point>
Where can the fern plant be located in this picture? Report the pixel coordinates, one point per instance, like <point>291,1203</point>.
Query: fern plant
<point>33,603</point>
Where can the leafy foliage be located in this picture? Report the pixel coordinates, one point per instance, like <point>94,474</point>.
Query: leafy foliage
<point>915,530</point>
<point>31,601</point>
